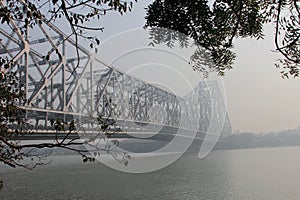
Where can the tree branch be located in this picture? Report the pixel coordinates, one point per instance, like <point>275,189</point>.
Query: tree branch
<point>277,34</point>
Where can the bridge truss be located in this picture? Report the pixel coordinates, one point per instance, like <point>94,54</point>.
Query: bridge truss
<point>57,86</point>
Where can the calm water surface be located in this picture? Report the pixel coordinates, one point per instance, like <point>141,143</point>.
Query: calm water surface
<point>272,173</point>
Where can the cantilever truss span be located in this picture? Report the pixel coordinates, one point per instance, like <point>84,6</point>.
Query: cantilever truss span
<point>56,87</point>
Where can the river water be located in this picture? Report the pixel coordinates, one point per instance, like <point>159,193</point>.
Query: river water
<point>269,173</point>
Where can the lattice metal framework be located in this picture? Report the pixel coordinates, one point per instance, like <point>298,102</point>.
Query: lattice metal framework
<point>58,88</point>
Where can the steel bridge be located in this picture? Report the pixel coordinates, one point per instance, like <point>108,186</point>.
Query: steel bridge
<point>58,86</point>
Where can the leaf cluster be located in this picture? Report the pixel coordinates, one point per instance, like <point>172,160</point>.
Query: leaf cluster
<point>214,27</point>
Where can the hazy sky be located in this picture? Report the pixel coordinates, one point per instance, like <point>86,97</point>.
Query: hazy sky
<point>257,98</point>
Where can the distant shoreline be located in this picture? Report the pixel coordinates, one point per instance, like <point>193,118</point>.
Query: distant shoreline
<point>257,147</point>
<point>246,140</point>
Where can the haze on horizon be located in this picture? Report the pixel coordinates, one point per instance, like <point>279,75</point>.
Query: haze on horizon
<point>257,98</point>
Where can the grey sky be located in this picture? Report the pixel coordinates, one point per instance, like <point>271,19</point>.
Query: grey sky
<point>258,99</point>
